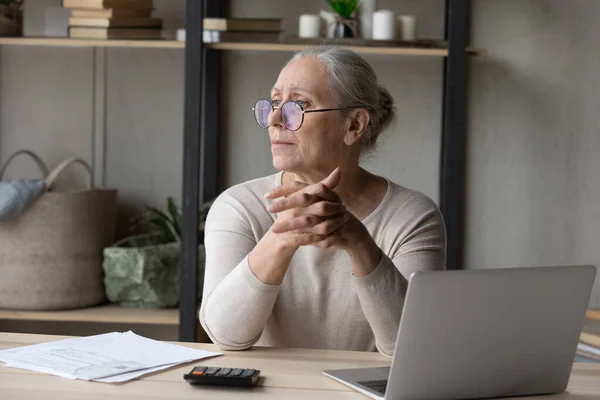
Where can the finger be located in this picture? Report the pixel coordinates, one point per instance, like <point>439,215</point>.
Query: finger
<point>333,179</point>
<point>323,209</point>
<point>328,226</point>
<point>301,240</point>
<point>305,197</point>
<point>333,239</point>
<point>323,191</point>
<point>298,223</point>
<point>320,209</point>
<point>285,190</point>
<point>298,199</point>
<point>311,224</point>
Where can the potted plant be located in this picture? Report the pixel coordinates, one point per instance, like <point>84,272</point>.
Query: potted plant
<point>143,270</point>
<point>346,25</point>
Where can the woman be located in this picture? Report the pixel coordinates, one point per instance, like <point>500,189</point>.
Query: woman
<point>318,255</point>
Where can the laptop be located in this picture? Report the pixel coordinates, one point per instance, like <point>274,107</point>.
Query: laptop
<point>482,334</point>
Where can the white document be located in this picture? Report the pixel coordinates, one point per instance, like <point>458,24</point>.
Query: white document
<point>112,357</point>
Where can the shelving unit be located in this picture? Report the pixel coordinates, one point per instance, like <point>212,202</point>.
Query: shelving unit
<point>201,144</point>
<point>202,130</point>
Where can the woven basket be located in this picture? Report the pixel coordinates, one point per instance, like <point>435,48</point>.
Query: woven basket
<point>11,21</point>
<point>51,254</point>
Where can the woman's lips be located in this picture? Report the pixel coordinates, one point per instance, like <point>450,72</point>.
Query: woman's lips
<point>280,143</point>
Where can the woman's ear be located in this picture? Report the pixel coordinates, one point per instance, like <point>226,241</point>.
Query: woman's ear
<point>359,121</point>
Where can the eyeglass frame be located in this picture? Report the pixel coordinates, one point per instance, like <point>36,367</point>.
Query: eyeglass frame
<point>273,108</point>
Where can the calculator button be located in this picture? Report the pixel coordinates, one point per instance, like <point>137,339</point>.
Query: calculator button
<point>248,372</point>
<point>237,372</point>
<point>224,371</point>
<point>200,369</point>
<point>198,373</point>
<point>211,371</point>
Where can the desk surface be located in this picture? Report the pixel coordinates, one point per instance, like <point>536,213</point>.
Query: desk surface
<point>287,374</point>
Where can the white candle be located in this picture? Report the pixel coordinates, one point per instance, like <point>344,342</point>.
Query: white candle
<point>310,26</point>
<point>366,8</point>
<point>407,27</point>
<point>384,25</point>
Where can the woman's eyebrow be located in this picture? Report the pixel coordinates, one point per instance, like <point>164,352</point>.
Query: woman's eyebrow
<point>293,89</point>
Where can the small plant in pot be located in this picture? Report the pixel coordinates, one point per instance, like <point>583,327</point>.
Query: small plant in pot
<point>142,270</point>
<point>344,9</point>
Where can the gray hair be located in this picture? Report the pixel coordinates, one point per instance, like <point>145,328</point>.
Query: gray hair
<point>354,84</point>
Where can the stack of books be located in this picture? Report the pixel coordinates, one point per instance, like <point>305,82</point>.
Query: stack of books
<point>249,30</point>
<point>113,19</point>
<point>588,348</point>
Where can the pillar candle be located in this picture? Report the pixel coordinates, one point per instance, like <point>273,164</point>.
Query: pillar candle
<point>384,25</point>
<point>310,26</point>
<point>365,10</point>
<point>407,27</point>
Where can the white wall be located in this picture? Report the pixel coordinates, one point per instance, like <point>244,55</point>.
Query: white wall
<point>534,132</point>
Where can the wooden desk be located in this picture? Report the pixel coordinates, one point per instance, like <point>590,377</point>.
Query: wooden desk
<point>287,374</point>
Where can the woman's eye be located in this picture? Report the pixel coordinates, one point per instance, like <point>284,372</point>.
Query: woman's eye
<point>275,102</point>
<point>302,103</point>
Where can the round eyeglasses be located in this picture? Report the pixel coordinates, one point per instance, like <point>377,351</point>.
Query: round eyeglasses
<point>292,113</point>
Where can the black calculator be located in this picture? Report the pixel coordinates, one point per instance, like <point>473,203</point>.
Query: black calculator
<point>220,376</point>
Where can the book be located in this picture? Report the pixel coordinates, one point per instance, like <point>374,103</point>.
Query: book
<point>114,33</point>
<point>124,22</point>
<point>593,313</point>
<point>108,4</point>
<point>110,13</point>
<point>590,334</point>
<point>588,352</point>
<point>243,24</point>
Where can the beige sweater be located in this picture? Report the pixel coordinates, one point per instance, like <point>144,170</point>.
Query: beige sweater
<point>319,304</point>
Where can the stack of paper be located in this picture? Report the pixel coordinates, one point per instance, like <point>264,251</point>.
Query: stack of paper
<point>112,357</point>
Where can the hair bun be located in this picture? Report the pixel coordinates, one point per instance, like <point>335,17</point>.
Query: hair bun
<point>386,108</point>
<point>384,116</point>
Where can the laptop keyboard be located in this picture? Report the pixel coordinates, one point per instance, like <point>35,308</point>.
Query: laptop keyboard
<point>376,386</point>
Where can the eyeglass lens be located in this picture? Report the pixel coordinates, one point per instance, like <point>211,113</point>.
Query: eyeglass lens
<point>291,114</point>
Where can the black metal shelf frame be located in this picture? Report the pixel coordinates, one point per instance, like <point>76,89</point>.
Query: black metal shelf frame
<point>201,144</point>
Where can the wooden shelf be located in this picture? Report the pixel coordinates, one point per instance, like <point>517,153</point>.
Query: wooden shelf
<point>392,51</point>
<point>103,314</point>
<point>66,42</point>
<point>172,44</point>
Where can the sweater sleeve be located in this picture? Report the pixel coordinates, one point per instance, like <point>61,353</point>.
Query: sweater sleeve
<point>235,304</point>
<point>422,247</point>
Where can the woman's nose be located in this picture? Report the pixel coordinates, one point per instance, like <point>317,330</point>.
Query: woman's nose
<point>275,118</point>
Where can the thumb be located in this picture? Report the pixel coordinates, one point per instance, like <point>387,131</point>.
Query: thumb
<point>333,179</point>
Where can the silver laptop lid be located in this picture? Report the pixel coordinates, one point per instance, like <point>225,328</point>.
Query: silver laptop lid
<point>489,333</point>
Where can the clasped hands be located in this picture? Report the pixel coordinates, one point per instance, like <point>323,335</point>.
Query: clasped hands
<point>314,215</point>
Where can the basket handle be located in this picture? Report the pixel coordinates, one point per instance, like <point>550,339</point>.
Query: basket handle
<point>41,165</point>
<point>59,169</point>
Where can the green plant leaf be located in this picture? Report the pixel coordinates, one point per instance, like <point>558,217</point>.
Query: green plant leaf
<point>164,223</point>
<point>335,6</point>
<point>175,215</point>
<point>165,229</point>
<point>344,8</point>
